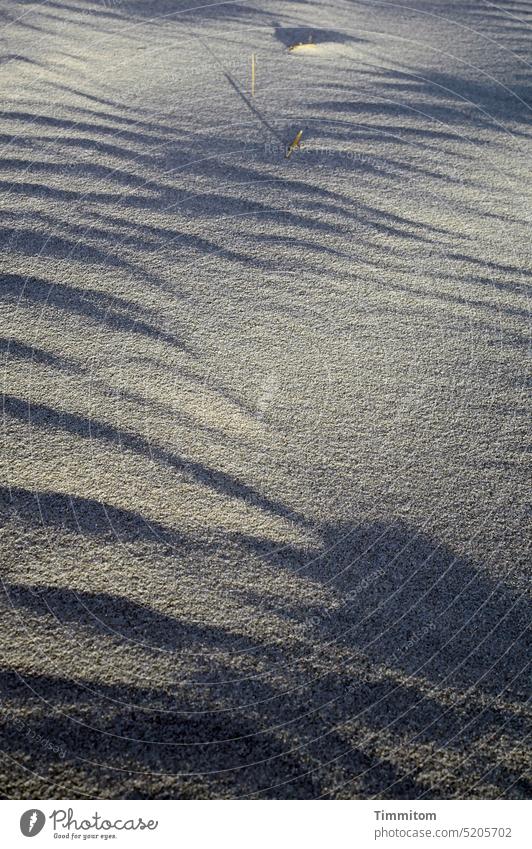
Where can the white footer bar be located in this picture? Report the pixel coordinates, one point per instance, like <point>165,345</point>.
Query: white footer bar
<point>267,824</point>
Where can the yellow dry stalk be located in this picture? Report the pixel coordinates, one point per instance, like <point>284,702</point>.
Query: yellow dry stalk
<point>295,144</point>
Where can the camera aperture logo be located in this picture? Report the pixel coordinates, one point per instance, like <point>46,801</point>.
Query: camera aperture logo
<point>32,822</point>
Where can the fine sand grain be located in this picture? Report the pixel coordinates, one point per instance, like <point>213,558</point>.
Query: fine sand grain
<point>264,483</point>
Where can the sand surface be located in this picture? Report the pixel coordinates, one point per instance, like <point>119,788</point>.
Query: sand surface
<point>264,483</point>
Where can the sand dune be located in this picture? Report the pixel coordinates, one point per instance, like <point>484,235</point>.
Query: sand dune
<point>264,491</point>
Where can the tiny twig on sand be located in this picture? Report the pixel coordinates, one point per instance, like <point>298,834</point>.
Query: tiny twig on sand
<point>295,144</point>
